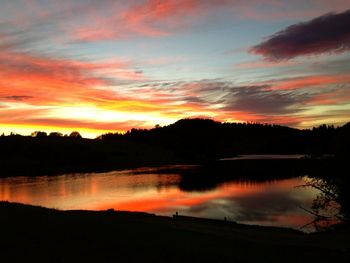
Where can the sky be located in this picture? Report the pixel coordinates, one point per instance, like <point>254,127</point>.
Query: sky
<point>98,66</point>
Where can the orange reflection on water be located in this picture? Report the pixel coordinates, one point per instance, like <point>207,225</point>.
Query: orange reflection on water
<point>265,203</point>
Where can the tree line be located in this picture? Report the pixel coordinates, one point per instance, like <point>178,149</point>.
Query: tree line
<point>185,141</point>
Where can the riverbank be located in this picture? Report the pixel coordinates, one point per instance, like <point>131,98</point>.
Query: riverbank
<point>36,234</point>
<point>28,156</point>
<point>246,165</point>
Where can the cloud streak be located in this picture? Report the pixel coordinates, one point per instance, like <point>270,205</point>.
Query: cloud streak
<point>263,101</point>
<point>151,18</point>
<point>48,79</point>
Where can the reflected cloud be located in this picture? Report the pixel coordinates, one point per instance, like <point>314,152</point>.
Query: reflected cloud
<point>150,190</point>
<point>263,206</point>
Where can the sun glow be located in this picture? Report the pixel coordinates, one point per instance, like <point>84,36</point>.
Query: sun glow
<point>103,115</point>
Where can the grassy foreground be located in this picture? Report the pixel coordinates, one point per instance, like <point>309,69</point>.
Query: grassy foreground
<point>36,234</point>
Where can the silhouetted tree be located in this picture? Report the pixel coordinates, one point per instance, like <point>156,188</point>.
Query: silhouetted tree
<point>110,136</point>
<point>342,142</point>
<point>39,134</point>
<point>55,134</point>
<point>333,201</point>
<point>75,134</point>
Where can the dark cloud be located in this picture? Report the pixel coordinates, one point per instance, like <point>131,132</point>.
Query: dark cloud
<point>259,98</point>
<point>17,97</point>
<point>277,100</point>
<point>16,39</point>
<point>262,100</point>
<point>329,33</point>
<point>193,99</point>
<point>336,66</point>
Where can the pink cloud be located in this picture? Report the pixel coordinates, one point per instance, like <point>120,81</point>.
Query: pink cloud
<point>307,82</point>
<point>333,97</point>
<point>142,18</point>
<point>151,18</point>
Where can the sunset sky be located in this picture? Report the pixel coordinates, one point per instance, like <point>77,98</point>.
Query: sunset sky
<point>108,65</point>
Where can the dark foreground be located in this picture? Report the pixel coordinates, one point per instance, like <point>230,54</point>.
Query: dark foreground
<point>35,234</point>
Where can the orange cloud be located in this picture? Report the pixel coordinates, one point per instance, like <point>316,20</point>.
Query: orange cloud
<point>52,80</point>
<point>307,82</point>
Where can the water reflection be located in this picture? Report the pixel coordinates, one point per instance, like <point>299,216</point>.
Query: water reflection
<point>160,191</point>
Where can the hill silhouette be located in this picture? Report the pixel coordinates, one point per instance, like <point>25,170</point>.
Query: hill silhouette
<point>205,138</point>
<point>185,141</point>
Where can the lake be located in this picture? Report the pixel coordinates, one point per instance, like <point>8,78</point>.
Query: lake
<point>161,191</point>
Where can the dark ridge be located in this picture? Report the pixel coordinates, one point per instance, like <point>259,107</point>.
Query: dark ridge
<point>195,141</point>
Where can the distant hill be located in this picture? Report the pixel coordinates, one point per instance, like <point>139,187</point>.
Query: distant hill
<point>204,137</point>
<point>185,141</point>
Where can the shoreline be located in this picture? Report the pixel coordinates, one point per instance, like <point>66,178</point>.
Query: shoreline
<point>91,236</point>
<point>33,169</point>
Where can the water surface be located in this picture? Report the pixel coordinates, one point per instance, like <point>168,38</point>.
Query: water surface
<point>265,157</point>
<point>273,202</point>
